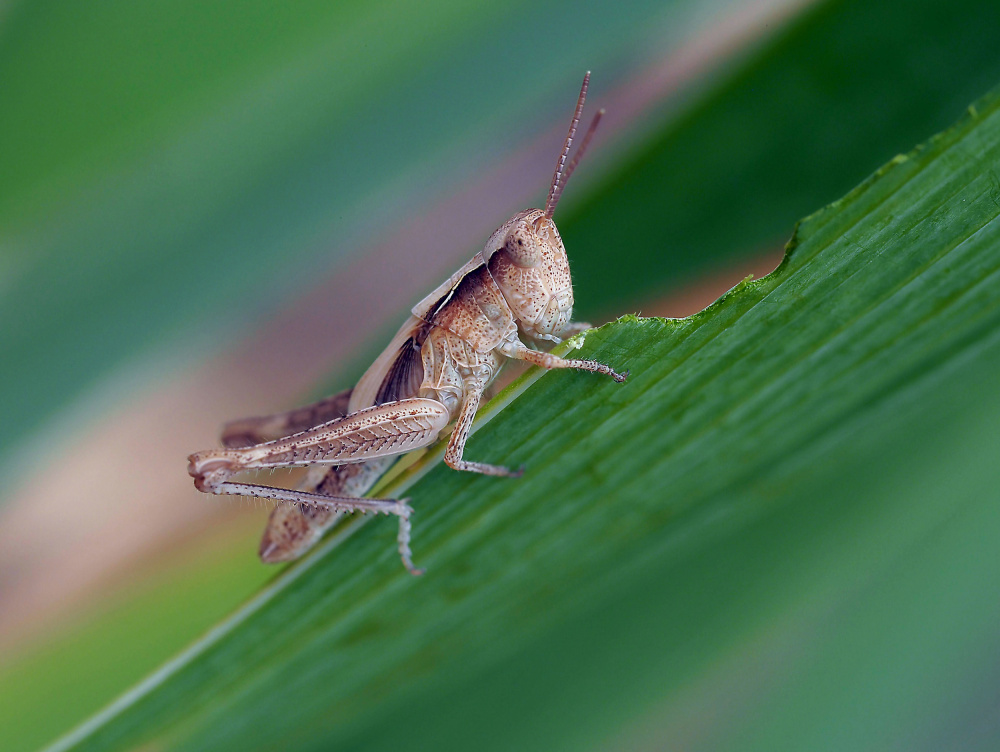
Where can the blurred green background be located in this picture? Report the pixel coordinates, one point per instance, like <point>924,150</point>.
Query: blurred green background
<point>174,175</point>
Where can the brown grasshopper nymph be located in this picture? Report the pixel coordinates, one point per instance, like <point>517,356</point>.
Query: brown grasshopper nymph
<point>433,372</point>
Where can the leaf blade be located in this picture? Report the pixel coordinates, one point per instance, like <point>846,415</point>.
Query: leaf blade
<point>729,416</point>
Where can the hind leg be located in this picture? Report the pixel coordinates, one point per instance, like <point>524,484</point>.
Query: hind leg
<point>249,431</point>
<point>367,436</point>
<point>292,529</point>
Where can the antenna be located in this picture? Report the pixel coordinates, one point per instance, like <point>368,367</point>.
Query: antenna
<point>561,176</point>
<point>581,151</point>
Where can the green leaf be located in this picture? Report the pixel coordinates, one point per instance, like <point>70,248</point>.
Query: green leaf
<point>781,530</point>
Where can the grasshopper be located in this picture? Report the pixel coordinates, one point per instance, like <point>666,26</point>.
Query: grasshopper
<point>433,372</point>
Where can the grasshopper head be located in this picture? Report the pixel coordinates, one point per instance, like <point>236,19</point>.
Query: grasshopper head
<point>532,240</point>
<point>532,271</point>
<point>531,266</point>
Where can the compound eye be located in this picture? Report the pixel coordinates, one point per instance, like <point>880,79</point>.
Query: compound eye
<point>522,248</point>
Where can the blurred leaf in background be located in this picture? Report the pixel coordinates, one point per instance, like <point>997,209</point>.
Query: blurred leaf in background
<point>169,168</point>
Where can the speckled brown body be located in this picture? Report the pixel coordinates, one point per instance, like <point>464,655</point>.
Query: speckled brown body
<point>433,372</point>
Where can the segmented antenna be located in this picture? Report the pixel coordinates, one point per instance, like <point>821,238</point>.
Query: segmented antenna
<point>561,176</point>
<point>582,150</point>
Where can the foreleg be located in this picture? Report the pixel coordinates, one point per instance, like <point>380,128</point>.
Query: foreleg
<point>519,351</point>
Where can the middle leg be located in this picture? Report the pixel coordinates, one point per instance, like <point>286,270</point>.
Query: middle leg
<point>456,444</point>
